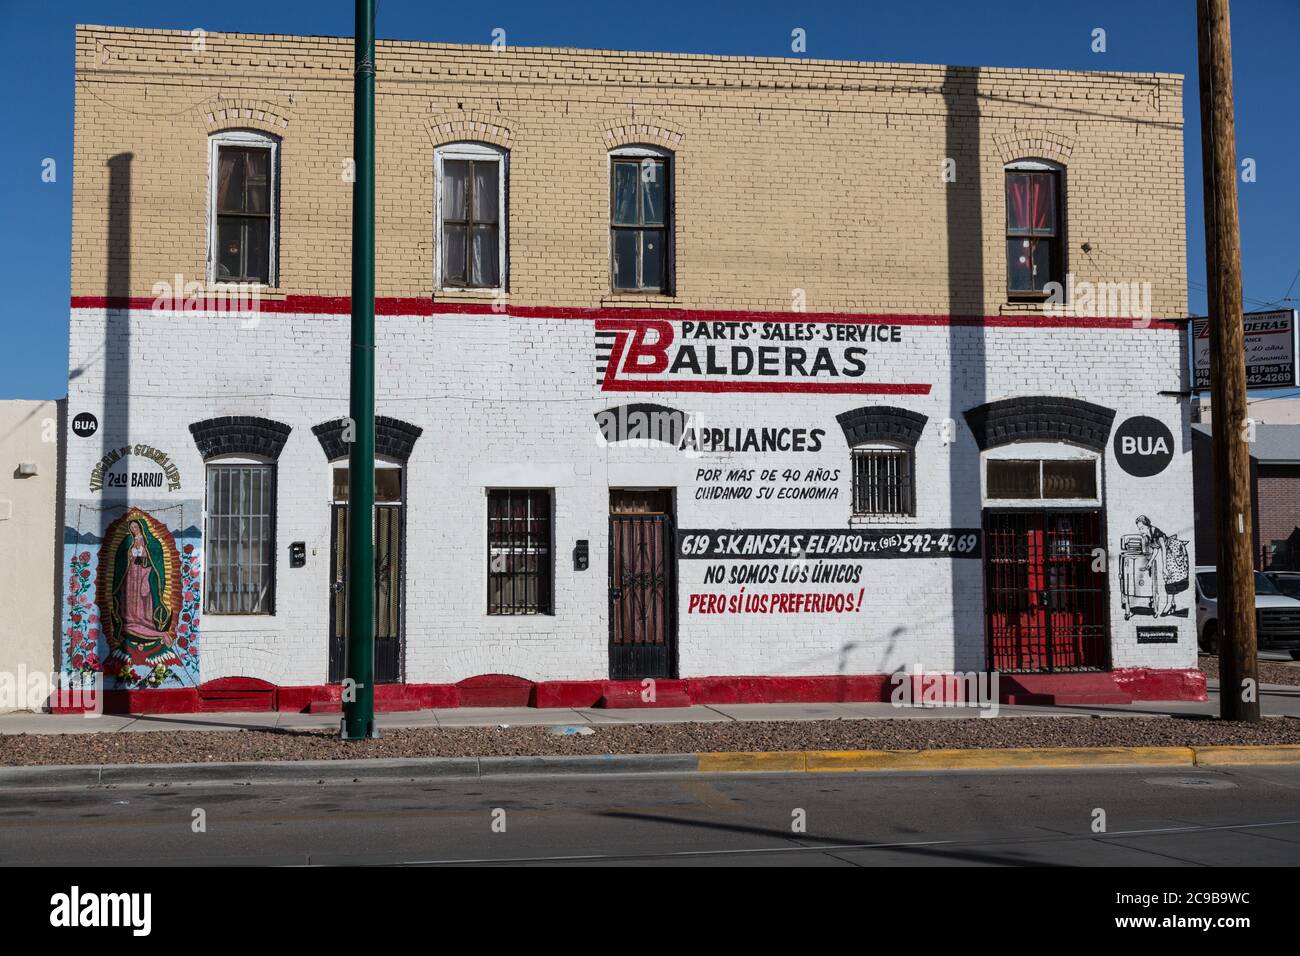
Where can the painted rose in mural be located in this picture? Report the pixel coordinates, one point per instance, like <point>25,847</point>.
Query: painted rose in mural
<point>139,592</point>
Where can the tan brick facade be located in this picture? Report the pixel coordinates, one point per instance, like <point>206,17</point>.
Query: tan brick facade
<point>789,174</point>
<point>797,183</point>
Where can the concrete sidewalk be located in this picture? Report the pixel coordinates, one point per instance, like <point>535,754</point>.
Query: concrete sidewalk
<point>1276,700</point>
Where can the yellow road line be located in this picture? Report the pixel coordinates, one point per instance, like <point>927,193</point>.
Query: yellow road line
<point>994,759</point>
<point>752,762</point>
<point>1239,756</point>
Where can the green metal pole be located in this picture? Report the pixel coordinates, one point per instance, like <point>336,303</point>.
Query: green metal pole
<point>359,662</point>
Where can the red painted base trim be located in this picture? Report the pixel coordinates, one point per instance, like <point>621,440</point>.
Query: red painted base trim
<point>1146,683</point>
<point>389,698</point>
<point>790,690</point>
<point>172,700</point>
<point>495,690</point>
<point>567,693</point>
<point>342,305</point>
<point>505,690</point>
<point>229,694</point>
<point>634,694</point>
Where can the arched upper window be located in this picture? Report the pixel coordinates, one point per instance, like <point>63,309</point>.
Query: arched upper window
<point>243,206</point>
<point>1035,227</point>
<point>1041,448</point>
<point>640,219</point>
<point>470,217</point>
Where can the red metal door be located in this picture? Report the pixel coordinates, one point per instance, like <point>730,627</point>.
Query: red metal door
<point>1045,591</point>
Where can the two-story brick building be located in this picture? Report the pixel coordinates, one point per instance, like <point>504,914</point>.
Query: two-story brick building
<point>742,374</point>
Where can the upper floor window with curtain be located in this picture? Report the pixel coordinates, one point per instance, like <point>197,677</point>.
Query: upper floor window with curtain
<point>1034,228</point>
<point>243,203</point>
<point>471,216</point>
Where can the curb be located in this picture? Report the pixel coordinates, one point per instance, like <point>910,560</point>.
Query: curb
<point>802,761</point>
<point>1018,758</point>
<point>338,771</point>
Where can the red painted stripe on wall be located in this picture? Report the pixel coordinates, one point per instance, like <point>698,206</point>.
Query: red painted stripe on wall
<point>342,305</point>
<point>773,387</point>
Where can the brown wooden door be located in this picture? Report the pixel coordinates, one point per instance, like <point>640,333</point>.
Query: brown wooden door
<point>642,586</point>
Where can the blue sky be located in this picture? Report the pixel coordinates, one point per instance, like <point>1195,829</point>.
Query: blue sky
<point>36,43</point>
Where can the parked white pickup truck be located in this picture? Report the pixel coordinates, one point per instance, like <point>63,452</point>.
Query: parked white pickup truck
<point>1277,617</point>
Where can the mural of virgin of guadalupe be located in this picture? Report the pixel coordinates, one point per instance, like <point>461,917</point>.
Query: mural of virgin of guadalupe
<point>139,588</point>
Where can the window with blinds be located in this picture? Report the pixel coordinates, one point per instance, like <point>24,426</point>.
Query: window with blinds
<point>519,551</point>
<point>240,574</point>
<point>884,481</point>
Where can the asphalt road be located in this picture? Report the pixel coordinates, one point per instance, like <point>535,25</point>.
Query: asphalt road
<point>1247,816</point>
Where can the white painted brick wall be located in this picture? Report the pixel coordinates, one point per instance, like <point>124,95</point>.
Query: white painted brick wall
<point>508,400</point>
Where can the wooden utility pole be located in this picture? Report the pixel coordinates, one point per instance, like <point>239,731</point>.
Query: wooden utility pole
<point>1234,528</point>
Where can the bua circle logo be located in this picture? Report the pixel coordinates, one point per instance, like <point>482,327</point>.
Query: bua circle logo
<point>1144,446</point>
<point>85,424</point>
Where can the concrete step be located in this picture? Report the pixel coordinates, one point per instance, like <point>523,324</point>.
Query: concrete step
<point>1094,699</point>
<point>393,705</point>
<point>622,695</point>
<point>235,701</point>
<point>386,704</point>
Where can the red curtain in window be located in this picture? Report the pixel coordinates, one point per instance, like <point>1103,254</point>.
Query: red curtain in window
<point>1029,198</point>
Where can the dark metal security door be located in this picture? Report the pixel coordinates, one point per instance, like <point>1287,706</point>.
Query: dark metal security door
<point>642,586</point>
<point>1046,606</point>
<point>388,591</point>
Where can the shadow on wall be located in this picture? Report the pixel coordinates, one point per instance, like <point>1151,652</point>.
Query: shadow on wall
<point>115,353</point>
<point>966,346</point>
<point>1203,509</point>
<point>60,511</point>
<point>115,427</point>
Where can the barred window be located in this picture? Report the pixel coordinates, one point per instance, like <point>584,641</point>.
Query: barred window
<point>519,551</point>
<point>884,481</point>
<point>240,572</point>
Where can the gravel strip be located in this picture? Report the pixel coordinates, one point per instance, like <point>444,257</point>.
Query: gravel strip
<point>1270,672</point>
<point>957,733</point>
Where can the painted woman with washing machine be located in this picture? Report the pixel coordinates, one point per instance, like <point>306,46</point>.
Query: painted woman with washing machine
<point>1155,543</point>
